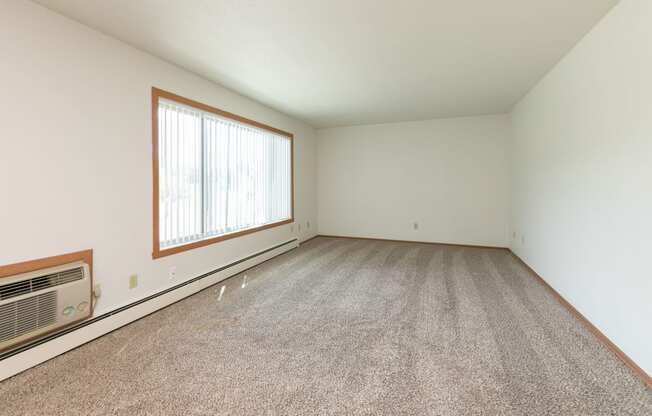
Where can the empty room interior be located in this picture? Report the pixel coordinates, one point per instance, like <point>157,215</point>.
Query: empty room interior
<point>284,207</point>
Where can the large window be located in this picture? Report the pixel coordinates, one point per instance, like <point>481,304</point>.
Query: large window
<point>216,175</point>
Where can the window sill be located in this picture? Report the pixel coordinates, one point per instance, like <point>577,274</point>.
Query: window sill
<point>158,253</point>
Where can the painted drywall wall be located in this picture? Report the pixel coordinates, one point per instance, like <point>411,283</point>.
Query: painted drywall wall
<point>449,176</point>
<point>581,174</point>
<point>75,153</point>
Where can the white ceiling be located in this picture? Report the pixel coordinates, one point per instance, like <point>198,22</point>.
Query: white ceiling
<point>344,62</point>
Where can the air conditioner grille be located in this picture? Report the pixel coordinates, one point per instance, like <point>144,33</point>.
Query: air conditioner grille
<point>27,315</point>
<point>11,290</point>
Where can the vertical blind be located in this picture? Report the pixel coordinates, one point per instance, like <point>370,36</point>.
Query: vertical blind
<point>218,176</point>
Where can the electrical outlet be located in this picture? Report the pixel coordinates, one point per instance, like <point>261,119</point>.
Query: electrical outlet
<point>133,281</point>
<point>415,225</point>
<point>172,272</point>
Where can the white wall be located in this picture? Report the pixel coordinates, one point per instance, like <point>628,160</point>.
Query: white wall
<point>582,175</point>
<point>75,153</point>
<point>448,175</point>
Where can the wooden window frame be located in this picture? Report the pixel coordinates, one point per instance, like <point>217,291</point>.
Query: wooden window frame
<point>157,252</point>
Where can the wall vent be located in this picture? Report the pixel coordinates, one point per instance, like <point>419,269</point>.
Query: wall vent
<point>11,290</point>
<point>26,315</point>
<point>34,303</point>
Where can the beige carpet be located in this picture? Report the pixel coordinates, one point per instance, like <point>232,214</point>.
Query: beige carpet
<point>346,327</point>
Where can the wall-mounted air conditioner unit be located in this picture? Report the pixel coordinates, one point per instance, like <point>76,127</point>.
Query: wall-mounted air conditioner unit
<point>42,301</point>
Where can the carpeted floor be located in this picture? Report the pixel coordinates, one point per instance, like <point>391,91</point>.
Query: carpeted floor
<point>351,327</point>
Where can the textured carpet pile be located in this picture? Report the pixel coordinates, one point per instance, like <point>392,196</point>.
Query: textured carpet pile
<point>350,327</point>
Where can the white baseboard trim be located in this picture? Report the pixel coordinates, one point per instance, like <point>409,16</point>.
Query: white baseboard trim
<point>111,321</point>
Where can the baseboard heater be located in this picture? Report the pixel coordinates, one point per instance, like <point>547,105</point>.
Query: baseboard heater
<point>25,347</point>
